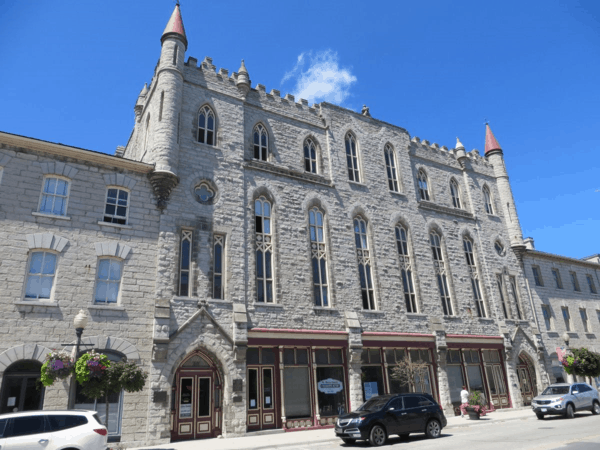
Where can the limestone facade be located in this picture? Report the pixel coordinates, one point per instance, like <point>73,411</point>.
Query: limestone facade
<point>203,194</point>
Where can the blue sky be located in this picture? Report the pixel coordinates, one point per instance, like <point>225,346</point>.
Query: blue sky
<point>71,72</point>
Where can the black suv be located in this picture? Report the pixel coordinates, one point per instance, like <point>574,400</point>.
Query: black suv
<point>400,414</point>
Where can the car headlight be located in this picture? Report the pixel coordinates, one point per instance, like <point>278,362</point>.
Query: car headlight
<point>357,420</point>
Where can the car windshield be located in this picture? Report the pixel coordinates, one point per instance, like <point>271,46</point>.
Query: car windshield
<point>373,404</point>
<point>556,390</point>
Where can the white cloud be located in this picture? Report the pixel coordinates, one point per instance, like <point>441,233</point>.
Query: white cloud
<point>319,77</point>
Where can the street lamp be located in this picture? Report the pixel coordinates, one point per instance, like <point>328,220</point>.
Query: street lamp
<point>80,321</point>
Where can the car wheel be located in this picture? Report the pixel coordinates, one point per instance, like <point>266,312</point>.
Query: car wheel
<point>540,416</point>
<point>596,408</point>
<point>570,414</point>
<point>433,429</point>
<point>378,436</point>
<point>348,440</point>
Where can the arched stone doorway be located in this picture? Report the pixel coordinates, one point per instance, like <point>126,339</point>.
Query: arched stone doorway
<point>197,398</point>
<point>527,378</point>
<point>20,390</point>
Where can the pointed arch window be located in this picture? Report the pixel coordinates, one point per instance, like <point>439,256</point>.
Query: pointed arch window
<point>487,200</point>
<point>310,156</point>
<point>352,158</point>
<point>514,293</point>
<point>501,291</point>
<point>423,185</point>
<point>185,263</point>
<point>455,192</point>
<point>261,142</point>
<point>318,252</point>
<point>474,274</point>
<point>390,165</point>
<point>364,263</point>
<point>406,271</point>
<point>439,266</point>
<point>264,250</point>
<point>206,125</point>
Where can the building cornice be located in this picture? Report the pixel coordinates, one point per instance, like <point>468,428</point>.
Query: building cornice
<point>538,254</point>
<point>77,153</point>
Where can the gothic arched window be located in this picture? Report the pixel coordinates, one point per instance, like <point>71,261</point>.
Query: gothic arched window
<point>455,192</point>
<point>406,270</point>
<point>352,158</point>
<point>310,156</point>
<point>423,185</point>
<point>487,200</point>
<point>364,263</point>
<point>318,252</point>
<point>390,165</point>
<point>206,126</point>
<point>474,275</point>
<point>264,250</point>
<point>261,142</point>
<point>439,266</point>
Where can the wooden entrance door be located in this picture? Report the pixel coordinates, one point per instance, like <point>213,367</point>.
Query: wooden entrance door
<point>524,372</point>
<point>197,391</point>
<point>261,398</point>
<point>496,385</point>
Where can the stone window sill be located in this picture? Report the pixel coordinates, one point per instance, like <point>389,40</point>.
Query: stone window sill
<point>324,308</point>
<point>416,315</point>
<point>267,305</point>
<point>357,183</point>
<point>50,216</point>
<point>373,311</point>
<point>451,317</point>
<point>398,194</point>
<point>36,303</point>
<point>114,225</point>
<point>219,300</point>
<point>109,307</point>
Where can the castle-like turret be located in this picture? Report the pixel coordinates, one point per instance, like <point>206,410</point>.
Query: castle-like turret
<point>167,94</point>
<point>493,152</point>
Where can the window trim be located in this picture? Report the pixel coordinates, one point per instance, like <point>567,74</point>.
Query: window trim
<point>185,235</point>
<point>488,201</point>
<point>441,273</point>
<point>66,197</point>
<point>50,299</point>
<point>475,276</point>
<point>456,197</point>
<point>548,309</point>
<point>208,110</point>
<point>575,281</point>
<point>557,278</point>
<point>219,239</point>
<point>127,207</point>
<point>261,130</point>
<point>311,142</point>
<point>391,167</point>
<point>96,280</point>
<point>538,280</point>
<point>364,260</point>
<point>591,284</point>
<point>424,193</point>
<point>354,158</point>
<point>566,318</point>
<point>405,264</point>
<point>320,253</point>
<point>264,245</point>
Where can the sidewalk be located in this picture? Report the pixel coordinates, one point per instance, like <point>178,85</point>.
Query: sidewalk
<point>279,439</point>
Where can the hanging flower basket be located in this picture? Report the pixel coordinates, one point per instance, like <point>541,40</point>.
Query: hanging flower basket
<point>91,366</point>
<point>58,366</point>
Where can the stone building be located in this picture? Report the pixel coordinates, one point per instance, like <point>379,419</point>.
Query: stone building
<point>267,262</point>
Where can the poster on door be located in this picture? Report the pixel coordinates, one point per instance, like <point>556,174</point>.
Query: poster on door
<point>370,389</point>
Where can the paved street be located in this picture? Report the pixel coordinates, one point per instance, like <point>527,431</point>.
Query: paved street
<point>511,430</point>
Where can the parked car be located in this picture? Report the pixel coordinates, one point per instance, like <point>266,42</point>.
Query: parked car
<point>384,415</point>
<point>52,430</point>
<point>565,399</point>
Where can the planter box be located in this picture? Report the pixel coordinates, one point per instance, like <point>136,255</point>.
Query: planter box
<point>473,415</point>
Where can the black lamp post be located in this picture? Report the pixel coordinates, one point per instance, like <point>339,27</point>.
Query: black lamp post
<point>80,322</point>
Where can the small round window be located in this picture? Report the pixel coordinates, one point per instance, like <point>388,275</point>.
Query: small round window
<point>204,193</point>
<point>499,248</point>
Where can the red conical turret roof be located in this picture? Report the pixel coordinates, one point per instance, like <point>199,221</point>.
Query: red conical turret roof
<point>174,27</point>
<point>490,141</point>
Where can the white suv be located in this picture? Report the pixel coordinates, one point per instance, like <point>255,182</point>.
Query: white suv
<point>52,430</point>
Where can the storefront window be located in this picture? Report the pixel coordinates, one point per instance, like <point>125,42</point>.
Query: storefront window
<point>297,392</point>
<point>331,391</point>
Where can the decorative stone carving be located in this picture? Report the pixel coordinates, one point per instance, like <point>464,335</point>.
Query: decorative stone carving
<point>162,183</point>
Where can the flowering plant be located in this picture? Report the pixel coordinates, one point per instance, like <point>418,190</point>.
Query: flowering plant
<point>477,404</point>
<point>58,366</point>
<point>91,365</point>
<point>580,361</point>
